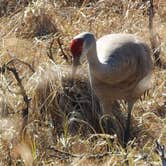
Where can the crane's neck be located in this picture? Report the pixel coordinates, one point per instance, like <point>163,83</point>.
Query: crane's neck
<point>95,67</point>
<point>92,55</point>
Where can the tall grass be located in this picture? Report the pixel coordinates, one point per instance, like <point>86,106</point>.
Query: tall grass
<point>63,123</point>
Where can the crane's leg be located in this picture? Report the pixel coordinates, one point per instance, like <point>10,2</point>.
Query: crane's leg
<point>127,130</point>
<point>107,107</point>
<point>110,118</point>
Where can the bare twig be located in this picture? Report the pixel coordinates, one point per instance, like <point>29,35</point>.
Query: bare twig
<point>66,155</point>
<point>62,51</point>
<point>25,63</point>
<point>9,156</point>
<point>160,149</point>
<point>25,111</point>
<point>15,12</point>
<point>49,52</point>
<point>99,156</point>
<point>79,121</point>
<point>23,92</point>
<point>61,154</point>
<point>154,39</point>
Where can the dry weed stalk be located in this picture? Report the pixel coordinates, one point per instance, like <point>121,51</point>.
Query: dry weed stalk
<point>160,149</point>
<point>154,39</point>
<point>26,99</point>
<point>64,56</point>
<point>55,108</point>
<point>51,47</point>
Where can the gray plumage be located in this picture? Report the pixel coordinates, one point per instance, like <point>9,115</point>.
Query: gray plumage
<point>120,67</point>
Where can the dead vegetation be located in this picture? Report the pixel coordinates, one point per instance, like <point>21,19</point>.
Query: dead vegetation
<point>64,124</point>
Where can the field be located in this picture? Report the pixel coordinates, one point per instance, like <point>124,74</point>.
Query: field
<point>46,121</point>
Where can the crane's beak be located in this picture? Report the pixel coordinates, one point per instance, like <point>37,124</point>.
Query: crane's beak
<point>75,64</point>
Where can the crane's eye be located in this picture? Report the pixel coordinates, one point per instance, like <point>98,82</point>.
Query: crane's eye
<point>76,47</point>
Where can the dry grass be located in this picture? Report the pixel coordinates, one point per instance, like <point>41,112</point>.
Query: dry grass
<point>64,124</point>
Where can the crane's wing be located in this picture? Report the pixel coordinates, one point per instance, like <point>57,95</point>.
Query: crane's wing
<point>122,56</point>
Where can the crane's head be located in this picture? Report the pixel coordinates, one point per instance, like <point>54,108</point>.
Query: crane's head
<point>79,47</point>
<point>76,48</point>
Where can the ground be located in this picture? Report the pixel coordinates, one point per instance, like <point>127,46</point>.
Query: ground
<point>45,122</point>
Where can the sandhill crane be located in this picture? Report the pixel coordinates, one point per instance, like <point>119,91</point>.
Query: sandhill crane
<point>120,67</point>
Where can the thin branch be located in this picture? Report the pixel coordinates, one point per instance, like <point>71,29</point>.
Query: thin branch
<point>26,99</point>
<point>25,63</point>
<point>82,122</point>
<point>62,51</point>
<point>160,149</point>
<point>151,15</point>
<point>49,52</point>
<point>155,44</point>
<point>25,111</point>
<point>62,153</point>
<point>23,92</point>
<point>66,155</point>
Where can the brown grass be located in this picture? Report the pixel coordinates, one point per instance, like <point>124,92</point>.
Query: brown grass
<point>64,124</point>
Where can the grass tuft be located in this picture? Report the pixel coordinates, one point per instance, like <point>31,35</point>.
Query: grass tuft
<point>64,124</point>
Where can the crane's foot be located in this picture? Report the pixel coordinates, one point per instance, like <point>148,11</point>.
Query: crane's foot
<point>107,125</point>
<point>127,131</point>
<point>128,122</point>
<point>126,137</point>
